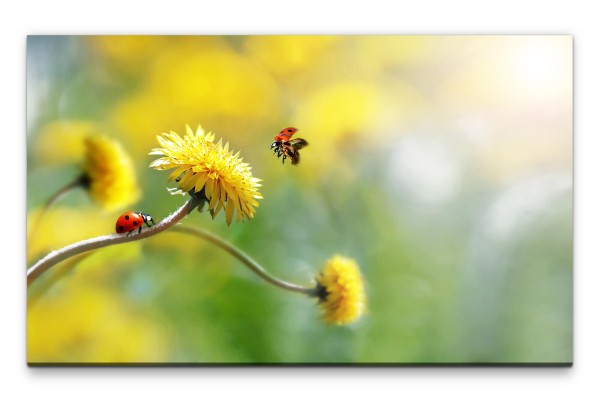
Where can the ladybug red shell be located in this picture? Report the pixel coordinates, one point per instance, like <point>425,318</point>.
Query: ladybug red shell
<point>130,221</point>
<point>285,134</point>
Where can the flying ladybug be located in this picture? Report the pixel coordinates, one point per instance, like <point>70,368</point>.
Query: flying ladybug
<point>287,147</point>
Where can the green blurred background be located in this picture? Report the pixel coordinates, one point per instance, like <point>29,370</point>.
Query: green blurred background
<point>442,164</point>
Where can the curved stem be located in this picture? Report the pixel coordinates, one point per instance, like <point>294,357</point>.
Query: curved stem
<point>245,259</point>
<point>35,294</point>
<point>57,256</point>
<point>78,183</point>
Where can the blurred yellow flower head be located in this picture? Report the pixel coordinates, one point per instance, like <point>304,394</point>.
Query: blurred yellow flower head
<point>341,291</point>
<point>209,169</point>
<point>109,174</point>
<point>86,322</point>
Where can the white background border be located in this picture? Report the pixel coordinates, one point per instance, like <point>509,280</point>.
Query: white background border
<point>22,18</point>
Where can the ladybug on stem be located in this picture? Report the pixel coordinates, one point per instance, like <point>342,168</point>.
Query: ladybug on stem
<point>287,147</point>
<point>130,221</point>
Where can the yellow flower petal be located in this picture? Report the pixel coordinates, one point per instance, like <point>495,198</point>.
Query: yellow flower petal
<point>109,173</point>
<point>227,182</point>
<point>341,291</point>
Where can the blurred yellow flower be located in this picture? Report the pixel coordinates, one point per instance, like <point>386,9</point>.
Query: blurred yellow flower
<point>341,291</point>
<point>352,108</point>
<point>210,170</point>
<point>62,226</point>
<point>84,322</point>
<point>109,174</point>
<point>195,79</point>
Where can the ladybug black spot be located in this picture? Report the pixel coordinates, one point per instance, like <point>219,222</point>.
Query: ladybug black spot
<point>289,130</point>
<point>121,229</point>
<point>135,223</point>
<point>127,217</point>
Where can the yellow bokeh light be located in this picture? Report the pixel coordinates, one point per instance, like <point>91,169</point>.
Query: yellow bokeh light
<point>216,86</point>
<point>85,322</point>
<point>286,55</point>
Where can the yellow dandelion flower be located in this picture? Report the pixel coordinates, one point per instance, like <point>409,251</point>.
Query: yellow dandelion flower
<point>109,175</point>
<point>341,291</point>
<point>209,171</point>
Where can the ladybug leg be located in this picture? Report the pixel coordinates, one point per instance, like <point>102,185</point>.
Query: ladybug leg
<point>140,230</point>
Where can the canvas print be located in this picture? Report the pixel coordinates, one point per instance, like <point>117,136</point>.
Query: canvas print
<point>303,199</point>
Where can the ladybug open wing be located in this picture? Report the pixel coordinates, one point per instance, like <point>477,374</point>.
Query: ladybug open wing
<point>298,143</point>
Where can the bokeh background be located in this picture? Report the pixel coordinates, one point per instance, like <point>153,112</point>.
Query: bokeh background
<point>442,164</point>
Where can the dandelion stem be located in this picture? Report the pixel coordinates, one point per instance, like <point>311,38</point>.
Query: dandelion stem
<point>79,182</point>
<point>245,259</point>
<point>68,251</point>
